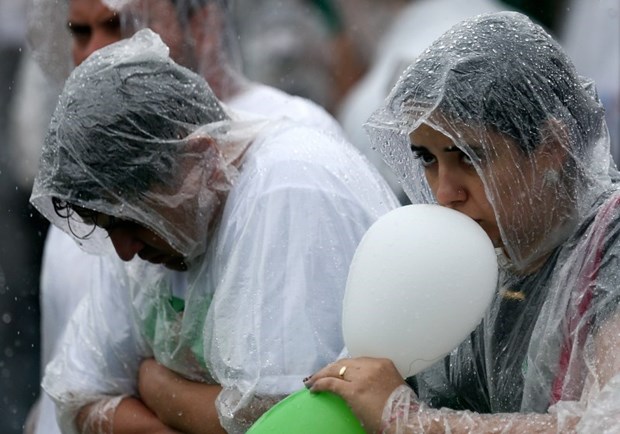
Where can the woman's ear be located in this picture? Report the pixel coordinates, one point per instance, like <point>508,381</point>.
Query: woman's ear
<point>553,149</point>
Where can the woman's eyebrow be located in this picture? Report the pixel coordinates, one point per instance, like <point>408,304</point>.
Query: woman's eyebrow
<point>416,148</point>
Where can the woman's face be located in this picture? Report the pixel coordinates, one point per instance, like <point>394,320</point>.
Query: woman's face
<point>455,182</point>
<point>452,178</point>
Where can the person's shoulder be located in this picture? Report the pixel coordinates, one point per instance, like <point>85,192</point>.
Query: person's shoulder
<point>288,140</point>
<point>291,155</point>
<point>272,103</point>
<point>596,239</point>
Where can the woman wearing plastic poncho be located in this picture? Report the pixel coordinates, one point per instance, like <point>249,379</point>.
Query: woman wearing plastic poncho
<point>492,120</point>
<point>259,219</point>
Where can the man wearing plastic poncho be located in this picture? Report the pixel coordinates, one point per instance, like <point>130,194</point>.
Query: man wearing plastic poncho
<point>493,121</point>
<point>259,218</point>
<point>203,38</point>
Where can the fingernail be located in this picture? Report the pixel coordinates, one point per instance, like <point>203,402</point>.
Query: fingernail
<point>308,382</point>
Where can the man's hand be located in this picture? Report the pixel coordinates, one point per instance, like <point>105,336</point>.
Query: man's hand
<point>184,405</point>
<point>131,416</point>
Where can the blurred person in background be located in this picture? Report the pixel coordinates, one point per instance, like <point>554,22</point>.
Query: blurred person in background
<point>314,48</point>
<point>416,25</point>
<point>20,246</point>
<point>590,32</point>
<point>287,45</point>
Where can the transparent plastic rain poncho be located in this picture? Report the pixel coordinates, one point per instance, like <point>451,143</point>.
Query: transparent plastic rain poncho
<point>201,36</point>
<point>199,33</point>
<point>94,155</point>
<point>259,306</point>
<point>49,38</point>
<point>549,341</point>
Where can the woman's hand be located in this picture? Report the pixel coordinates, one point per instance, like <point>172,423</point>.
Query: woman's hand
<point>365,383</point>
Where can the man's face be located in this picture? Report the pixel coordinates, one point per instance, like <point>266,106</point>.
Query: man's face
<point>93,25</point>
<point>130,238</point>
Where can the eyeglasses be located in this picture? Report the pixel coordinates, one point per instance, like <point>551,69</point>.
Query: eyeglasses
<point>95,218</point>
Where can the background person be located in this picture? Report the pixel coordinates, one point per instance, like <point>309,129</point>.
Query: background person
<point>19,247</point>
<point>239,282</point>
<point>203,38</point>
<point>415,27</point>
<point>494,121</point>
<point>597,54</point>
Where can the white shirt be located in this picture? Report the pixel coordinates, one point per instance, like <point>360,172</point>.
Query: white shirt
<point>289,229</point>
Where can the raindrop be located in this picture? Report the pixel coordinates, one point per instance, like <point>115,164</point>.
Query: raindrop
<point>6,318</point>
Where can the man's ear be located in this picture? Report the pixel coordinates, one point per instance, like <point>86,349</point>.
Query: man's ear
<point>203,150</point>
<point>200,145</point>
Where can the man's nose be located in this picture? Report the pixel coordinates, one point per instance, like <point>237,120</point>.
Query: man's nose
<point>125,243</point>
<point>451,190</point>
<point>98,39</point>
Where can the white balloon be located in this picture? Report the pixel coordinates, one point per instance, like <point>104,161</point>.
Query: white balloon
<point>419,284</point>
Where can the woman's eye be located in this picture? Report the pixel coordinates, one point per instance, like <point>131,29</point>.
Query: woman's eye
<point>426,158</point>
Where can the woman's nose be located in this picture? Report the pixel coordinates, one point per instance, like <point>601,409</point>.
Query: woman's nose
<point>125,243</point>
<point>450,190</point>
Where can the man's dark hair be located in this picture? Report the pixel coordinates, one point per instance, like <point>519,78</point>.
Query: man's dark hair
<point>118,126</point>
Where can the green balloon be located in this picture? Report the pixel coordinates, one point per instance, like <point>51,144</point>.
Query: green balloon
<point>308,413</point>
